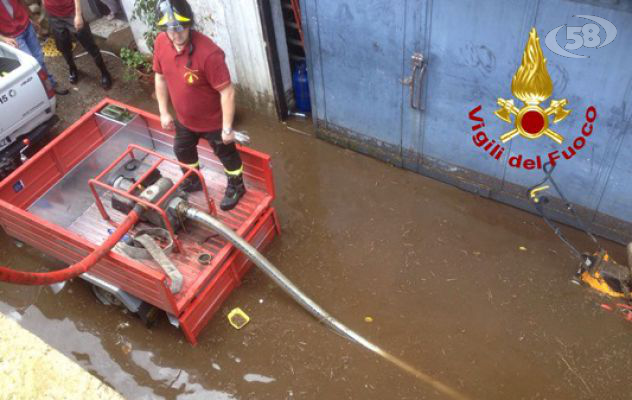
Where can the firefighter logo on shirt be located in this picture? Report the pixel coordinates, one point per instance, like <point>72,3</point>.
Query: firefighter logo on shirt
<point>191,76</point>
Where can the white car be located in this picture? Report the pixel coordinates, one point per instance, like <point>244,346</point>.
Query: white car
<point>27,107</point>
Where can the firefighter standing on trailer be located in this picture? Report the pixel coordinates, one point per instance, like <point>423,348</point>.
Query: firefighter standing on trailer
<point>190,69</point>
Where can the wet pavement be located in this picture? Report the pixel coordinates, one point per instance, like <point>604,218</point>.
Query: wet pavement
<point>471,292</point>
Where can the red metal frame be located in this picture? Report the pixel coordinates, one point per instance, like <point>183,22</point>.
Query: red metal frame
<point>62,154</point>
<point>206,304</point>
<point>146,204</point>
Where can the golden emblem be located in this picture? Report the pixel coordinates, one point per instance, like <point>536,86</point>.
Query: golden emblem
<point>190,76</point>
<point>532,84</point>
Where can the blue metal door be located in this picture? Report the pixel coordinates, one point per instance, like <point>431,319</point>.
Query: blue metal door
<point>401,80</point>
<point>601,80</point>
<point>471,52</point>
<point>356,64</point>
<point>472,55</point>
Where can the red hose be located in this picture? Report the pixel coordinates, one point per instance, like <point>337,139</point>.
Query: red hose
<point>48,278</point>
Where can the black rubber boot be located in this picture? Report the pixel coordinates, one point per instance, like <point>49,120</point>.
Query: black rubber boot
<point>235,189</point>
<point>191,183</point>
<point>106,78</point>
<point>73,72</point>
<point>64,45</point>
<point>73,75</point>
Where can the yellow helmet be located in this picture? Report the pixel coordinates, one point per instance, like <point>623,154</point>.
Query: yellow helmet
<point>173,15</point>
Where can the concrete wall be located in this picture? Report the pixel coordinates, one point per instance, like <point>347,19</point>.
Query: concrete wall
<point>236,27</point>
<point>250,62</point>
<point>137,27</point>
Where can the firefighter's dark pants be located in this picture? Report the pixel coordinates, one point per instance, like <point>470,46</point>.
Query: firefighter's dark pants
<point>186,150</point>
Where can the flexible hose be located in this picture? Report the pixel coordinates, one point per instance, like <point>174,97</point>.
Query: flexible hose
<point>548,169</point>
<point>48,278</point>
<point>308,304</point>
<point>109,53</point>
<point>161,258</point>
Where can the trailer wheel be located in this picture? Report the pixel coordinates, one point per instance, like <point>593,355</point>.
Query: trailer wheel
<point>148,314</point>
<point>8,165</point>
<point>106,298</point>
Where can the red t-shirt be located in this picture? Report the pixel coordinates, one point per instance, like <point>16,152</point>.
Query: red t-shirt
<point>60,8</point>
<point>194,91</point>
<point>13,26</point>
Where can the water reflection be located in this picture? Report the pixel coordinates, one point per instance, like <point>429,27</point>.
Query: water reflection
<point>177,379</point>
<point>84,347</point>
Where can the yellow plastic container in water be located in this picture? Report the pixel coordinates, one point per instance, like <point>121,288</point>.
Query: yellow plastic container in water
<point>238,318</point>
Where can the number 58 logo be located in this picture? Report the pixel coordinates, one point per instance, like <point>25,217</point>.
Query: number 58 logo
<point>582,36</point>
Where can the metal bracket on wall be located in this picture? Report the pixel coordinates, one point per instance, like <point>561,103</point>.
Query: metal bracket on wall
<point>419,67</point>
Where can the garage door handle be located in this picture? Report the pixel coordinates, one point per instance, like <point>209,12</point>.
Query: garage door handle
<point>415,80</point>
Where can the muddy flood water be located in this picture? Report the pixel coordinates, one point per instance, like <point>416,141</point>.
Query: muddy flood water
<point>473,293</point>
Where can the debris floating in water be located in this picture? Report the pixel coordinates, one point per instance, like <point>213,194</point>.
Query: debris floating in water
<point>238,318</point>
<point>368,319</point>
<point>522,248</point>
<point>258,378</point>
<point>126,348</point>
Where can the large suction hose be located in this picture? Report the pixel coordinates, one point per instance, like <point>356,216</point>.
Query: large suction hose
<point>260,261</point>
<point>48,278</point>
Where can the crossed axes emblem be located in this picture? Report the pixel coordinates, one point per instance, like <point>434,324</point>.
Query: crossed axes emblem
<point>532,121</point>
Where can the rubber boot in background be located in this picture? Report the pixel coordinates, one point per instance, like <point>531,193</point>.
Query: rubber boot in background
<point>106,78</point>
<point>73,72</point>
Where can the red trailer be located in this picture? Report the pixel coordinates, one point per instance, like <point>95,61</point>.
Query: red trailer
<point>48,203</point>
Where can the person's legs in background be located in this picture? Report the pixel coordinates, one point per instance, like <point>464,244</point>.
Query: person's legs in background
<point>84,36</point>
<point>27,42</point>
<point>63,42</point>
<point>62,29</point>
